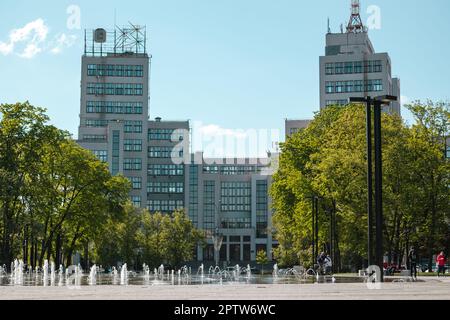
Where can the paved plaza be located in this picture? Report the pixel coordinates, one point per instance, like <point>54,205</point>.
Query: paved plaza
<point>427,289</point>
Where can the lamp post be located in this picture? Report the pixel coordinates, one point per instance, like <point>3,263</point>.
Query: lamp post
<point>377,103</point>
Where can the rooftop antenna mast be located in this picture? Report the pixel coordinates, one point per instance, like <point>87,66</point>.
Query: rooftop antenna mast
<point>355,24</point>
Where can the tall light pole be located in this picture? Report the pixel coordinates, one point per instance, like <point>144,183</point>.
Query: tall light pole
<point>377,103</point>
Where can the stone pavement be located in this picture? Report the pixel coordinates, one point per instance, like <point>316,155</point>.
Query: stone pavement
<point>429,289</point>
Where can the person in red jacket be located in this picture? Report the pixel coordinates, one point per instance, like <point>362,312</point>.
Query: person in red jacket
<point>441,261</point>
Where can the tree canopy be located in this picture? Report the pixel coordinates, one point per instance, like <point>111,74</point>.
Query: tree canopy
<point>329,160</point>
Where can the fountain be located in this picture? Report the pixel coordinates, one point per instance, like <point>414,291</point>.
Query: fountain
<point>52,274</point>
<point>124,275</point>
<point>93,276</point>
<point>249,271</point>
<point>45,272</point>
<point>275,270</point>
<point>161,271</point>
<point>201,270</point>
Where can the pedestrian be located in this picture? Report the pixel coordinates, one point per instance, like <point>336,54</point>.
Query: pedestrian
<point>413,258</point>
<point>441,261</point>
<point>320,261</point>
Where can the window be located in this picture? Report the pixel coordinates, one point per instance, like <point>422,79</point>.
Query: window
<point>348,86</point>
<point>377,66</point>
<point>349,67</point>
<point>134,164</point>
<point>136,183</point>
<point>377,85</point>
<point>209,205</point>
<point>112,70</point>
<point>368,66</point>
<point>118,89</point>
<point>102,155</point>
<point>165,187</point>
<point>133,126</point>
<point>236,196</point>
<point>172,135</point>
<point>339,87</point>
<point>262,209</point>
<point>116,152</point>
<point>339,68</point>
<point>136,200</point>
<point>132,145</point>
<point>358,67</point>
<point>329,87</point>
<point>96,123</point>
<point>165,170</point>
<point>94,138</point>
<point>165,206</point>
<point>329,68</point>
<point>114,107</point>
<point>358,86</point>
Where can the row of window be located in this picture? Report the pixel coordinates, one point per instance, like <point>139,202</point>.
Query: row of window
<point>136,182</point>
<point>132,164</point>
<point>165,187</point>
<point>115,70</point>
<point>115,89</point>
<point>165,170</point>
<point>129,126</point>
<point>102,155</point>
<point>94,138</point>
<point>352,67</point>
<point>132,145</point>
<point>165,205</point>
<point>237,223</point>
<point>230,170</point>
<point>172,135</point>
<point>114,107</point>
<point>336,102</point>
<point>165,152</point>
<point>354,86</point>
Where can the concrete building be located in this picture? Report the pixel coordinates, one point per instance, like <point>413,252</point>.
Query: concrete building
<point>352,68</point>
<point>294,126</point>
<point>231,196</point>
<point>115,105</point>
<point>228,195</point>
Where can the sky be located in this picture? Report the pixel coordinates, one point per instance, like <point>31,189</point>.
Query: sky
<point>231,65</point>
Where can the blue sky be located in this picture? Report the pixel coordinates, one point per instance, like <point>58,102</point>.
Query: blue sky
<point>236,64</point>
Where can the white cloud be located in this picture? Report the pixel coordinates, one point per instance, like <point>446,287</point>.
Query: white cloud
<point>62,41</point>
<point>404,100</point>
<point>30,51</point>
<point>32,35</point>
<point>32,39</point>
<point>6,48</point>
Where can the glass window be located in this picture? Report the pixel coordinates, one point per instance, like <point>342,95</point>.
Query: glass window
<point>339,67</point>
<point>349,67</point>
<point>329,87</point>
<point>329,68</point>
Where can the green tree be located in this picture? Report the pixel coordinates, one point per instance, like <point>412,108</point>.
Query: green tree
<point>262,260</point>
<point>329,160</point>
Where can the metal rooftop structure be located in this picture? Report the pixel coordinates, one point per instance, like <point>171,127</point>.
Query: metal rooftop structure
<point>129,40</point>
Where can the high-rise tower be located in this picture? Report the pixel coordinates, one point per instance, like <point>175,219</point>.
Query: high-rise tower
<point>115,102</point>
<point>351,67</point>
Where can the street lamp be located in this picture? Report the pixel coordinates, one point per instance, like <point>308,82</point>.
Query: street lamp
<point>377,103</point>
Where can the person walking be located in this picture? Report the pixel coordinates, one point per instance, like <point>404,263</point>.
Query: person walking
<point>441,261</point>
<point>413,258</point>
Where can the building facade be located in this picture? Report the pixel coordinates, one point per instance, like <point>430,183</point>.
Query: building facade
<point>231,196</point>
<point>352,68</point>
<point>228,195</point>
